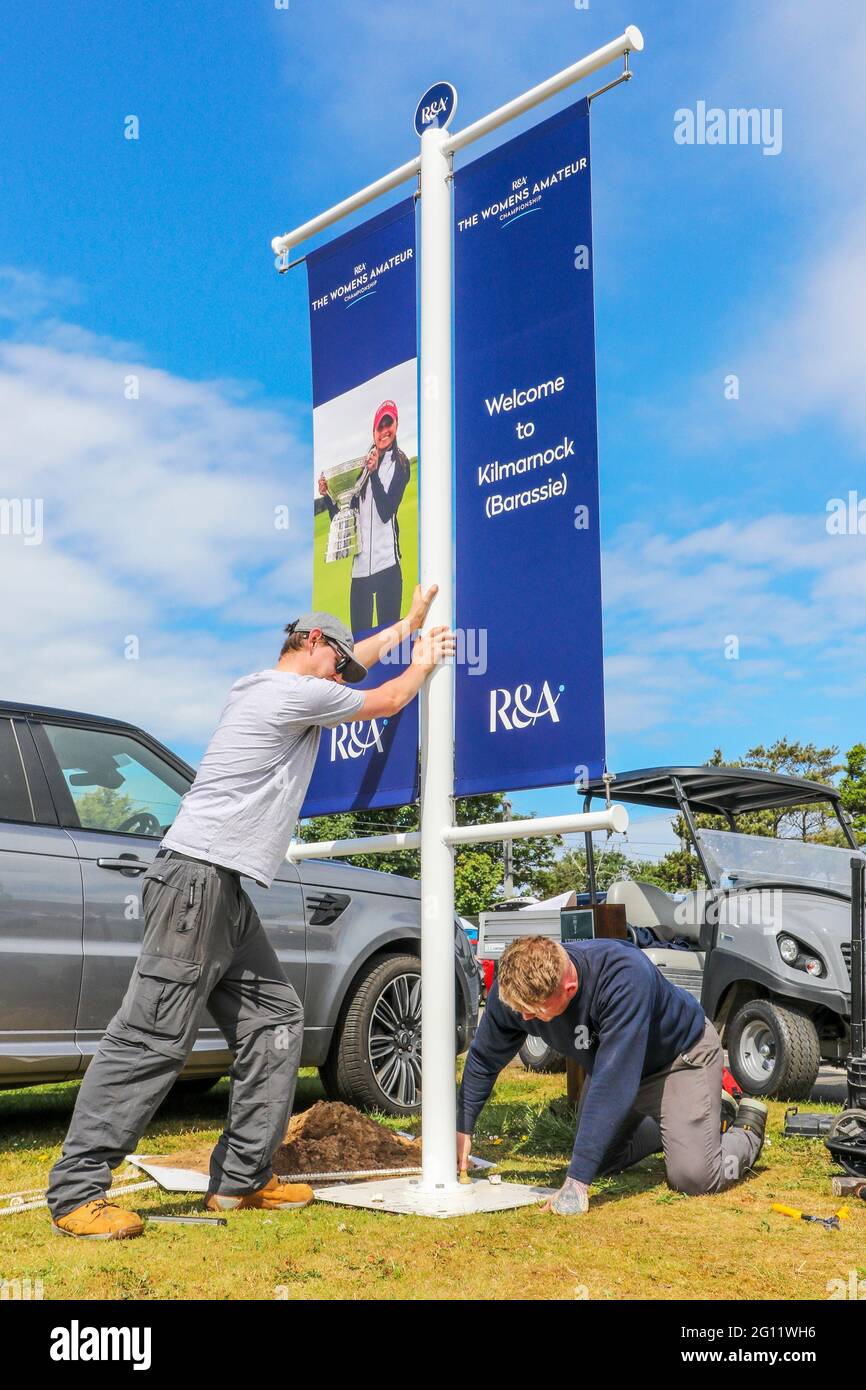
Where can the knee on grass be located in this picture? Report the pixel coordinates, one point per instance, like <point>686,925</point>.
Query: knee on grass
<point>696,1181</point>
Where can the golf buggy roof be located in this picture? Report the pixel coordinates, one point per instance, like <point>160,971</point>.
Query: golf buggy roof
<point>720,791</point>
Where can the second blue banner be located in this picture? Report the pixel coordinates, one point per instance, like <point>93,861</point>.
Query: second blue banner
<point>529,681</point>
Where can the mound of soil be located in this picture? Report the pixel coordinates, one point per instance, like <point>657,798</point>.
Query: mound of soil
<point>330,1137</point>
<point>334,1138</point>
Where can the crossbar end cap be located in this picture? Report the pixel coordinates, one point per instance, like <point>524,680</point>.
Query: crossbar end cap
<point>619,818</point>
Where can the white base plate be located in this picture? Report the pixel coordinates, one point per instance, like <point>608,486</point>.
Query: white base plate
<point>407,1197</point>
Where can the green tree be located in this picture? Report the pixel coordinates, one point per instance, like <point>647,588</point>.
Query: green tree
<point>792,759</point>
<point>568,873</point>
<point>104,809</point>
<point>477,879</point>
<point>853,788</point>
<point>677,871</point>
<point>351,825</point>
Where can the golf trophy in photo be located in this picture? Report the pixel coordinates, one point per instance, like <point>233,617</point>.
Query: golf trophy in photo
<point>344,483</point>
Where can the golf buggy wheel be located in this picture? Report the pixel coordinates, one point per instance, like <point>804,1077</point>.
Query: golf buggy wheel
<point>773,1051</point>
<point>375,1058</point>
<point>537,1056</point>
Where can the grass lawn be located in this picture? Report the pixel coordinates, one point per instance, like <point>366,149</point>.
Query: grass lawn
<point>638,1241</point>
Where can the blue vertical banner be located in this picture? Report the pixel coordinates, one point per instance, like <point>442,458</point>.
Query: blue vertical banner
<point>363,328</point>
<point>529,678</point>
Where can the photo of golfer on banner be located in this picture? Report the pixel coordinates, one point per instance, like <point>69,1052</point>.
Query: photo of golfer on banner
<point>365,517</point>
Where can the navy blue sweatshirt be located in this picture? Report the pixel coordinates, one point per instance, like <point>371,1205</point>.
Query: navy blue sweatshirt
<point>625,1022</point>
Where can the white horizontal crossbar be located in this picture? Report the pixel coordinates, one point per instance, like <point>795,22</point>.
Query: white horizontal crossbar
<point>612,818</point>
<point>630,41</point>
<point>364,844</point>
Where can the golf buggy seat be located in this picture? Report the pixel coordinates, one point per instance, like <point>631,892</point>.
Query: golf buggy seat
<point>646,905</point>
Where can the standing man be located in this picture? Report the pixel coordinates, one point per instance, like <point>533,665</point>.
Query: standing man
<point>203,944</point>
<point>656,1065</point>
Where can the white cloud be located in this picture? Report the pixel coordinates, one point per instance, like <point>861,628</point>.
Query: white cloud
<point>158,522</point>
<point>799,353</point>
<point>396,54</point>
<point>797,341</point>
<point>780,584</point>
<point>27,293</point>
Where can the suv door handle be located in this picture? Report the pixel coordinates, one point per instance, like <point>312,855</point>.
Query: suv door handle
<point>131,865</point>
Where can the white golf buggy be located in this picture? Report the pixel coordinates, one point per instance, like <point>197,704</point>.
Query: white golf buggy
<point>766,946</point>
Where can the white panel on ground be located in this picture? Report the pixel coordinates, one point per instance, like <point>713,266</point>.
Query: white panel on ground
<point>410,1197</point>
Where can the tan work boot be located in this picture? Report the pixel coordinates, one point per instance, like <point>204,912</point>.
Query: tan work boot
<point>274,1196</point>
<point>99,1220</point>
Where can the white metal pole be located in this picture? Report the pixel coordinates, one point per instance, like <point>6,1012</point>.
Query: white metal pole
<point>438,1092</point>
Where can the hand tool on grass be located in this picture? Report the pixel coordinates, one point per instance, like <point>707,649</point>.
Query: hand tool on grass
<point>189,1220</point>
<point>830,1222</point>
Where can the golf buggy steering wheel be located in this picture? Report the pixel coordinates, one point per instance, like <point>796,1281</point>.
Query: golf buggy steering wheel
<point>145,820</point>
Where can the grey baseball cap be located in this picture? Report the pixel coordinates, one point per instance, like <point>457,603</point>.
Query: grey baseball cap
<point>337,633</point>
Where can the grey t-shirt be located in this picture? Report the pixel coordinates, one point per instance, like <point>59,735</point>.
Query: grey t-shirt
<point>243,806</point>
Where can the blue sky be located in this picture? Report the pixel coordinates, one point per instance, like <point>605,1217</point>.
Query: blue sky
<point>151,259</point>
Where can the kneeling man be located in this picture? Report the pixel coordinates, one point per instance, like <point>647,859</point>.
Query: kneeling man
<point>655,1063</point>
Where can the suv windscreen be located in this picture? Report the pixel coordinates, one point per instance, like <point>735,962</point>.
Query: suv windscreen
<point>14,797</point>
<point>115,782</point>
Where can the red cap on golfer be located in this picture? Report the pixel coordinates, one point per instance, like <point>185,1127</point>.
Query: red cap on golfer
<point>386,408</point>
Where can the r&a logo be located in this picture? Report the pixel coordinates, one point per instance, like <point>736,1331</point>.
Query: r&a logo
<point>354,740</point>
<point>514,711</point>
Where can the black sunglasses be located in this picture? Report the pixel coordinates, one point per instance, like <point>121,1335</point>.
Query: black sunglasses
<point>342,660</point>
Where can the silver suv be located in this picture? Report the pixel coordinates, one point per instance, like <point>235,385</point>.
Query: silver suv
<point>84,803</point>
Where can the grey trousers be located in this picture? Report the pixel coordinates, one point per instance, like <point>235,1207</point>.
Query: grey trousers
<point>203,947</point>
<point>678,1111</point>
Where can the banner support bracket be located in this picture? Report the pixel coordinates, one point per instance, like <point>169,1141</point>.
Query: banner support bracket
<point>284,264</point>
<point>625,76</point>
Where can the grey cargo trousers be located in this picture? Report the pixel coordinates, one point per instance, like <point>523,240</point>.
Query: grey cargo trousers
<point>203,947</point>
<point>678,1111</point>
